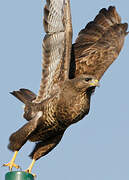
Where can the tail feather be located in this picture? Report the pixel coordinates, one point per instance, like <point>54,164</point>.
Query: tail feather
<point>24,95</point>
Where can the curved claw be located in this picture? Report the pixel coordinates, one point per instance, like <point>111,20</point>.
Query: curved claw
<point>30,168</point>
<point>11,165</point>
<point>29,171</point>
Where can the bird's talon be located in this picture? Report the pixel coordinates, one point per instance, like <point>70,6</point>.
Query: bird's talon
<point>29,171</point>
<point>11,165</point>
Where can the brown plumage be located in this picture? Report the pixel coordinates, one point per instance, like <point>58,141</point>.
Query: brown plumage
<point>50,118</point>
<point>69,76</point>
<point>98,44</point>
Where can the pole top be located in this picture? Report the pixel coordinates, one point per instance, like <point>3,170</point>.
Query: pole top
<point>18,175</point>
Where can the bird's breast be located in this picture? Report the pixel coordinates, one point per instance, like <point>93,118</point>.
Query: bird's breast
<point>73,110</point>
<point>58,115</point>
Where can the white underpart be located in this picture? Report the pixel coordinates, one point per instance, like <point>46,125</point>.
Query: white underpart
<point>56,56</point>
<point>55,16</point>
<point>39,114</point>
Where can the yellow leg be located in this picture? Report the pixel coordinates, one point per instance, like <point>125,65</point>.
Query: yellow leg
<point>11,164</point>
<point>30,167</point>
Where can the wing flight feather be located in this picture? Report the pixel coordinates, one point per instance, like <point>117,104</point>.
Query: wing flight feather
<point>98,44</point>
<point>56,46</point>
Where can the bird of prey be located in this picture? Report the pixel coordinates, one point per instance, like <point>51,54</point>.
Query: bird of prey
<point>70,74</point>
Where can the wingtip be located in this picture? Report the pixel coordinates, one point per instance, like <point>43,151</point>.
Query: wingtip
<point>111,8</point>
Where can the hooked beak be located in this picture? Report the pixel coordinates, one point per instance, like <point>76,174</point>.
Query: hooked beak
<point>95,82</point>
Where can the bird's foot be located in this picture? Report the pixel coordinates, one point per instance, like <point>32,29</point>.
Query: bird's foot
<point>30,168</point>
<point>11,164</point>
<point>29,171</point>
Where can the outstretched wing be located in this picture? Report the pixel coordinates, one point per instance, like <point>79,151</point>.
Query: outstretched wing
<point>98,44</point>
<point>56,46</point>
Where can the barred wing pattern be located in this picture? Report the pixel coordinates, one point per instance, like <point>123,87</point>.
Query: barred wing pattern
<point>98,44</point>
<point>56,46</point>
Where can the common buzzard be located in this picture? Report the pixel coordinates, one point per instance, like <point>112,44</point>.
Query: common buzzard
<point>70,73</point>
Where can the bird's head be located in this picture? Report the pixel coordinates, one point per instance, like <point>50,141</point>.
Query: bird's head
<point>85,83</point>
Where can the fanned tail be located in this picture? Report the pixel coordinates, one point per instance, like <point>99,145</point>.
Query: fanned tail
<point>24,95</point>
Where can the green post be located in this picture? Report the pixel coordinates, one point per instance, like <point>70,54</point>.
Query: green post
<point>18,175</point>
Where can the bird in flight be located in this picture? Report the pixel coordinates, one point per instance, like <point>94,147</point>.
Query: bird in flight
<point>70,74</point>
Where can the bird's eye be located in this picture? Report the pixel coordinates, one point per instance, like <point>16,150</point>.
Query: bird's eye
<point>88,79</point>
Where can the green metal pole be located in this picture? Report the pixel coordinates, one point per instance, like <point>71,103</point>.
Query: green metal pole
<point>18,175</point>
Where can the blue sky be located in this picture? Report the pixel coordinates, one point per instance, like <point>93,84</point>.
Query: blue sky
<point>96,148</point>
